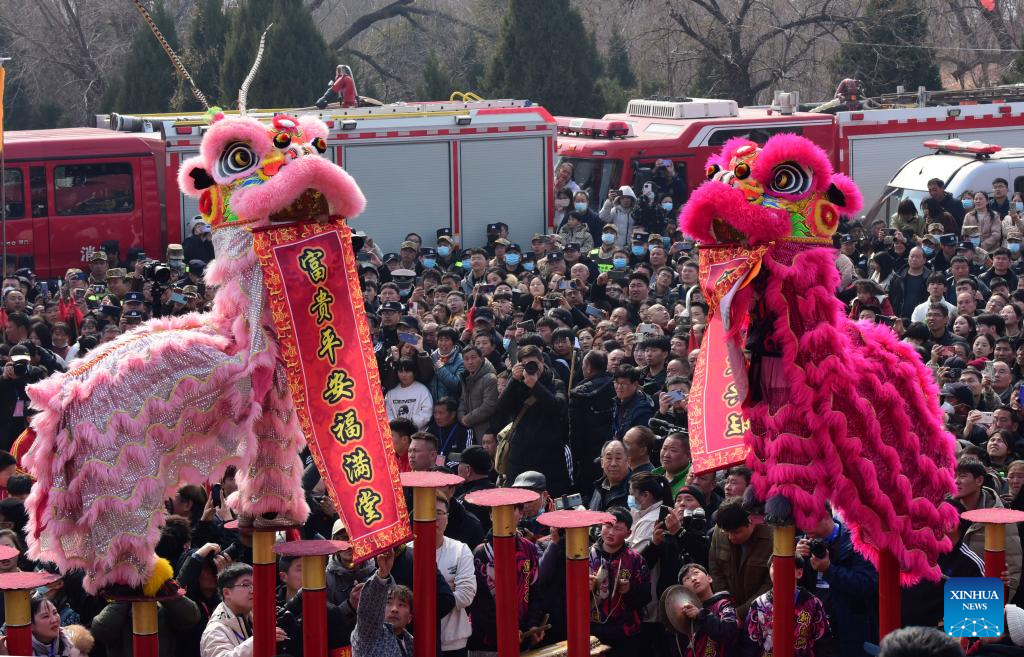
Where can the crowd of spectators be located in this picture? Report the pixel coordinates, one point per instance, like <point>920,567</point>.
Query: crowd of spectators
<point>561,363</point>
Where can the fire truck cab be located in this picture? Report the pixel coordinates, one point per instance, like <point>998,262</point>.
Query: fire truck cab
<point>622,149</point>
<point>68,191</point>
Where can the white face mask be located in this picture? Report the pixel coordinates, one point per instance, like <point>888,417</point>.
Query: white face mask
<point>947,408</point>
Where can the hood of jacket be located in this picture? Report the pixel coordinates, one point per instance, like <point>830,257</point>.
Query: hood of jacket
<point>593,386</point>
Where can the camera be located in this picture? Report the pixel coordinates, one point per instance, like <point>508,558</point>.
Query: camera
<point>567,501</point>
<point>286,621</point>
<point>157,272</point>
<point>531,367</point>
<point>20,368</point>
<point>819,549</point>
<point>695,520</point>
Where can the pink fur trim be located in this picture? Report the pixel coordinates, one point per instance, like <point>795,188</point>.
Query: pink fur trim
<point>185,182</point>
<point>312,127</point>
<point>229,130</point>
<point>717,200</point>
<point>796,149</point>
<point>724,157</point>
<point>854,200</point>
<point>260,201</point>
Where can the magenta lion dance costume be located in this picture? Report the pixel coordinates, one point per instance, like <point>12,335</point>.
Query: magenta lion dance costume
<point>178,400</point>
<point>837,410</point>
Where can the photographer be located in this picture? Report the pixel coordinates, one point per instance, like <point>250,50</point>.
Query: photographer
<point>18,372</point>
<point>844,581</point>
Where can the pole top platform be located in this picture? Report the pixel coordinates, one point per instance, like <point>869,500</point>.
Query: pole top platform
<point>501,496</point>
<point>310,548</point>
<point>994,516</point>
<point>430,479</point>
<point>26,580</point>
<point>572,518</point>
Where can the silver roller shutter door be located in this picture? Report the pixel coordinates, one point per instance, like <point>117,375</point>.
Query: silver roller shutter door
<point>502,180</point>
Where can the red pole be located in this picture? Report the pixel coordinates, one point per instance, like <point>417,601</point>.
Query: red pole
<point>783,590</point>
<point>505,598</point>
<point>314,615</point>
<point>17,610</point>
<point>264,577</point>
<point>577,591</point>
<point>424,577</point>
<point>888,593</point>
<point>145,640</point>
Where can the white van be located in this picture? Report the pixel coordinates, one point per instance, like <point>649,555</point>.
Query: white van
<point>963,166</point>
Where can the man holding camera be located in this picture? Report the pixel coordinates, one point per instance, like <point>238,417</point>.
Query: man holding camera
<point>535,400</point>
<point>845,582</point>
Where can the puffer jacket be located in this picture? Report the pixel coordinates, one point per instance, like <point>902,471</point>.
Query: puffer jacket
<point>341,581</point>
<point>447,381</point>
<point>479,398</point>
<point>621,218</point>
<point>226,635</point>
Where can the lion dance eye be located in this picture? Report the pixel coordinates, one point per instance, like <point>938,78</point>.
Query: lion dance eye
<point>235,159</point>
<point>712,170</point>
<point>282,140</point>
<point>320,145</point>
<point>742,170</point>
<point>790,178</point>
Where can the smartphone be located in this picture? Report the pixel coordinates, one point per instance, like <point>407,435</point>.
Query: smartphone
<point>215,491</point>
<point>594,311</point>
<point>647,329</point>
<point>79,293</point>
<point>44,289</point>
<point>675,395</point>
<point>617,276</point>
<point>177,298</point>
<point>888,321</point>
<point>132,320</point>
<point>408,338</point>
<point>563,284</point>
<point>363,256</point>
<point>985,419</point>
<point>663,513</point>
<point>990,369</point>
<point>486,289</point>
<point>528,326</point>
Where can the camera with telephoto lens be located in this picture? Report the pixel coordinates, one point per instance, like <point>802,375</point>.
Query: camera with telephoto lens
<point>20,368</point>
<point>819,549</point>
<point>158,272</point>
<point>287,621</point>
<point>695,520</point>
<point>531,367</point>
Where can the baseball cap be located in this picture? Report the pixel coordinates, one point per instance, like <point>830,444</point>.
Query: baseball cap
<point>531,480</point>
<point>609,228</point>
<point>537,237</point>
<point>502,241</point>
<point>175,252</point>
<point>965,246</point>
<point>134,297</point>
<point>555,257</point>
<point>408,320</point>
<point>133,314</point>
<point>960,392</point>
<point>196,266</point>
<point>494,228</point>
<point>409,245</point>
<point>936,226</point>
<point>391,306</point>
<point>572,246</point>
<point>97,255</point>
<point>654,238</point>
<point>846,239</point>
<point>116,272</point>
<point>948,239</point>
<point>514,247</point>
<point>428,251</point>
<point>1014,234</point>
<point>339,526</point>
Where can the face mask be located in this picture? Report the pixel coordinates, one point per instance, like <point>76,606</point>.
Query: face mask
<point>505,342</point>
<point>1013,247</point>
<point>667,207</point>
<point>444,251</point>
<point>528,266</point>
<point>429,263</point>
<point>666,240</point>
<point>619,263</point>
<point>41,591</point>
<point>607,238</point>
<point>512,259</point>
<point>580,207</point>
<point>928,251</point>
<point>405,291</point>
<point>947,408</point>
<point>638,250</point>
<point>1019,206</point>
<point>633,504</point>
<point>968,203</point>
<point>976,241</point>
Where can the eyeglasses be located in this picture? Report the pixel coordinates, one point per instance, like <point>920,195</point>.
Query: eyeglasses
<point>245,585</point>
<point>441,513</point>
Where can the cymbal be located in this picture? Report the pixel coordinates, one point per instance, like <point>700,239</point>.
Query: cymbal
<point>670,608</point>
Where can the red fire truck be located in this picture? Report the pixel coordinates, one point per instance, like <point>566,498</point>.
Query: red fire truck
<point>422,166</point>
<point>869,145</point>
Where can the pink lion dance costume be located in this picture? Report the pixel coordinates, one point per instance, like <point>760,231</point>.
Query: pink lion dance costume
<point>177,400</point>
<point>837,410</point>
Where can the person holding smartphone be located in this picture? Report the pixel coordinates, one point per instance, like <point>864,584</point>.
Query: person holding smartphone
<point>618,211</point>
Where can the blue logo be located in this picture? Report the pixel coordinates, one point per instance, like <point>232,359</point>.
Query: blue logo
<point>974,607</point>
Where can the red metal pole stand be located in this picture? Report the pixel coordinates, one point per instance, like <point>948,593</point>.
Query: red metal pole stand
<point>264,577</point>
<point>783,591</point>
<point>314,589</point>
<point>503,521</point>
<point>17,588</point>
<point>424,578</point>
<point>577,572</point>
<point>145,639</point>
<point>888,593</point>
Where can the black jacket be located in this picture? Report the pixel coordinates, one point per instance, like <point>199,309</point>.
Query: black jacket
<point>539,441</point>
<point>591,411</point>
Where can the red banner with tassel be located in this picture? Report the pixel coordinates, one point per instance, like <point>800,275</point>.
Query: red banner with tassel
<point>317,306</point>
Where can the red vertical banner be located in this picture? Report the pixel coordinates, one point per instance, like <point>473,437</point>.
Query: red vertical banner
<point>714,407</point>
<point>317,306</point>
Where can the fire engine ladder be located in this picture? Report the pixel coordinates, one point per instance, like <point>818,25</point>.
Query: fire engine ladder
<point>1007,93</point>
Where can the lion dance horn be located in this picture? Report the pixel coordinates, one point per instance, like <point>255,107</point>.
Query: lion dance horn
<point>182,71</point>
<point>244,91</point>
